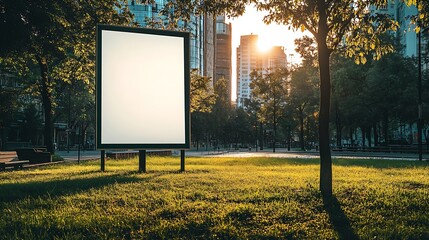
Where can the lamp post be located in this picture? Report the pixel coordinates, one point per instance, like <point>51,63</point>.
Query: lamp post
<point>419,88</point>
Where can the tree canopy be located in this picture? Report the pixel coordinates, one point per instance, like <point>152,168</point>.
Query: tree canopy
<point>349,26</point>
<point>269,88</point>
<point>46,42</point>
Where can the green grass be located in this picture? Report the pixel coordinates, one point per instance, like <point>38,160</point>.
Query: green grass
<point>216,198</point>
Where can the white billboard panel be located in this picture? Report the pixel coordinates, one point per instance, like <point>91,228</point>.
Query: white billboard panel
<point>142,88</point>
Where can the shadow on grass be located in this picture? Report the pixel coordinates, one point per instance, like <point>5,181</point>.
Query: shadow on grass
<point>369,163</point>
<point>10,192</point>
<point>17,191</point>
<point>338,218</point>
<point>379,163</point>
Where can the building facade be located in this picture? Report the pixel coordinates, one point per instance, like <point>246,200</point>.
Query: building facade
<point>247,61</point>
<point>201,28</point>
<point>274,58</point>
<point>249,58</point>
<point>223,54</point>
<point>405,35</point>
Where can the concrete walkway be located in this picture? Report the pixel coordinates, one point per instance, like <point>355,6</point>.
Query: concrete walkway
<point>282,153</point>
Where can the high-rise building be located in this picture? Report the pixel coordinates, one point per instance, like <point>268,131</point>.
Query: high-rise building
<point>274,58</point>
<point>405,35</point>
<point>201,28</point>
<point>223,53</point>
<point>249,58</point>
<point>247,61</point>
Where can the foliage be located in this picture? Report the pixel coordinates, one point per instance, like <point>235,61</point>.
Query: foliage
<point>393,84</point>
<point>241,128</point>
<point>350,26</point>
<point>270,88</point>
<point>347,26</point>
<point>9,105</point>
<point>302,101</point>
<point>49,42</point>
<point>306,47</point>
<point>228,198</point>
<point>221,111</point>
<point>421,20</point>
<point>184,10</point>
<point>202,95</point>
<point>350,90</point>
<point>384,90</point>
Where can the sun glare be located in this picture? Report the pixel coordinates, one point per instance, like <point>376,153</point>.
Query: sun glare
<point>264,44</point>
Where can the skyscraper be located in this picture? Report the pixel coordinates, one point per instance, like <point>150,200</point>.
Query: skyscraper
<point>223,53</point>
<point>275,57</point>
<point>201,28</point>
<point>247,61</point>
<point>249,58</point>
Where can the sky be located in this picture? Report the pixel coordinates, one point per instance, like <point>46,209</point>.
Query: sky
<point>268,35</point>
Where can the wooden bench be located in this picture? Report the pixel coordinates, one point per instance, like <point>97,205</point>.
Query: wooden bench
<point>6,156</point>
<point>14,164</point>
<point>34,155</point>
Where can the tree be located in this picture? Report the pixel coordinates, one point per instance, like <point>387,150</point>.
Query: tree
<point>392,85</point>
<point>303,95</point>
<point>336,25</point>
<point>350,97</point>
<point>202,99</point>
<point>201,94</point>
<point>221,111</point>
<point>54,41</point>
<point>75,104</point>
<point>269,88</point>
<point>9,105</point>
<point>302,99</point>
<point>346,25</point>
<point>240,128</point>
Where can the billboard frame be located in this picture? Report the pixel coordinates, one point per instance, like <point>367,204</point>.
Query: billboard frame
<point>99,90</point>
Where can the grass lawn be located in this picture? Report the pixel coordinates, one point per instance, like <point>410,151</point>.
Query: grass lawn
<point>216,198</point>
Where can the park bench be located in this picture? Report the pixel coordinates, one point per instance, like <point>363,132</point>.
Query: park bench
<point>6,156</point>
<point>34,155</point>
<point>14,164</point>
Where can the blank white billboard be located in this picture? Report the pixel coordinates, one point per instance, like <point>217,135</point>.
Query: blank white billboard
<point>142,88</point>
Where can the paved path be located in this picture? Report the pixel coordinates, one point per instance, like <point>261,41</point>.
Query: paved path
<point>283,153</point>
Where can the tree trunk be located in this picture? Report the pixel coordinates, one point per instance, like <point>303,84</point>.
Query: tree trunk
<point>386,128</point>
<point>289,138</point>
<point>45,87</point>
<point>376,143</point>
<point>325,98</point>
<point>301,129</point>
<point>338,125</point>
<point>363,136</point>
<point>369,137</point>
<point>274,125</point>
<point>261,136</point>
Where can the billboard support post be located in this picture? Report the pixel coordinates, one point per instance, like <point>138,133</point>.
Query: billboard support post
<point>142,161</point>
<point>103,161</point>
<point>182,160</point>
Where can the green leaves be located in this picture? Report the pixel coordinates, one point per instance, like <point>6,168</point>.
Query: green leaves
<point>269,88</point>
<point>202,95</point>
